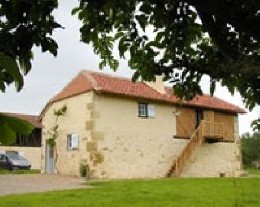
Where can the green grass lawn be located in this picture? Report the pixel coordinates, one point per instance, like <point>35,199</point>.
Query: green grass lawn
<point>222,192</point>
<point>6,171</point>
<point>253,171</point>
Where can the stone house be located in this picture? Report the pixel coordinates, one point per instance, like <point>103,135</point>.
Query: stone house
<point>119,129</point>
<point>28,146</point>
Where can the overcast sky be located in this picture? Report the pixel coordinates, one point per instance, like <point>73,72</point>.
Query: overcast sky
<point>49,75</point>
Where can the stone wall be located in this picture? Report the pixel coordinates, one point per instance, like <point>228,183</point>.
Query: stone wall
<point>76,120</point>
<point>215,160</point>
<point>124,145</point>
<point>116,143</point>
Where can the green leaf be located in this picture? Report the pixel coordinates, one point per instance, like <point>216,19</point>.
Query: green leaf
<point>11,67</point>
<point>102,64</point>
<point>154,44</point>
<point>135,76</point>
<point>122,46</point>
<point>142,20</point>
<point>146,8</point>
<point>75,10</point>
<point>159,36</point>
<point>61,111</point>
<point>10,126</point>
<point>212,87</point>
<point>118,35</point>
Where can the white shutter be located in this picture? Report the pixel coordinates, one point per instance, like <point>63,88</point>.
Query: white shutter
<point>151,111</point>
<point>74,141</point>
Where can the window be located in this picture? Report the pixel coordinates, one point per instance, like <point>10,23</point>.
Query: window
<point>146,110</point>
<point>73,141</point>
<point>143,110</point>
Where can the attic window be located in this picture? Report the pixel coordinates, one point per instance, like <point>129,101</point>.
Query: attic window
<point>146,110</point>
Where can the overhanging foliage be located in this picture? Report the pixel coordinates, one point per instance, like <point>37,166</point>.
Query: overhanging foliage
<point>10,127</point>
<point>191,38</point>
<point>23,24</point>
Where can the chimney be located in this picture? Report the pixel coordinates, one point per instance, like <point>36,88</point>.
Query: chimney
<point>157,85</point>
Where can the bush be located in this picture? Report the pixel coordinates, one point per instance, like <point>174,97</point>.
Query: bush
<point>84,170</point>
<point>250,148</point>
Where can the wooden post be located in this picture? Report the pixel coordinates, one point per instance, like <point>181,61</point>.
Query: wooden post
<point>176,168</point>
<point>202,127</point>
<point>222,130</point>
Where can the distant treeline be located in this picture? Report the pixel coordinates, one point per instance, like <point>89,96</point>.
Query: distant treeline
<point>251,149</point>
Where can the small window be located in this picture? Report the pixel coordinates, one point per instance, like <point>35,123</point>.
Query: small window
<point>146,110</point>
<point>73,141</point>
<point>143,109</point>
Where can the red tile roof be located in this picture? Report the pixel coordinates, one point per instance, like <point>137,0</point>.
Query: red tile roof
<point>101,83</point>
<point>32,119</point>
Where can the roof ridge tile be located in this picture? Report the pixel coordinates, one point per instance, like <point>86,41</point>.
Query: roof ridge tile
<point>89,76</point>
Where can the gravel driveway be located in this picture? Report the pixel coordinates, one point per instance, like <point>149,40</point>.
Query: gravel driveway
<point>16,184</point>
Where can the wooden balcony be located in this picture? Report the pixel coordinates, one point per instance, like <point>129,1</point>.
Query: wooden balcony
<point>211,130</point>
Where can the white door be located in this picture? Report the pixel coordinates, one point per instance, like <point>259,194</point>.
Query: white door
<point>49,161</point>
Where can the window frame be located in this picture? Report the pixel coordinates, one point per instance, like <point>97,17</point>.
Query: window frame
<point>143,107</point>
<point>146,110</point>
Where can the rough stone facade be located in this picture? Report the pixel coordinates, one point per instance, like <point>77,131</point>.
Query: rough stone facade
<point>116,143</point>
<point>220,159</point>
<point>75,120</point>
<point>127,146</point>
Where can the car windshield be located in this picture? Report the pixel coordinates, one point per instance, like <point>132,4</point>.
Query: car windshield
<point>15,157</point>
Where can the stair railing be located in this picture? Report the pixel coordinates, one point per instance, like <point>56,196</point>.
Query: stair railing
<point>195,141</point>
<point>205,129</point>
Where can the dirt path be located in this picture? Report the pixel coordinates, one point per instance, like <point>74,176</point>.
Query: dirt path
<point>16,184</point>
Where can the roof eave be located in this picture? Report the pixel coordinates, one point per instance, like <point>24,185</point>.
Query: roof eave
<point>239,111</point>
<point>59,99</point>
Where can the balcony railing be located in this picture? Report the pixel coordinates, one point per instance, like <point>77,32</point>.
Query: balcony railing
<point>212,129</point>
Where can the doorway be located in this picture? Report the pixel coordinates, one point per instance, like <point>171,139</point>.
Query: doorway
<point>198,118</point>
<point>49,160</point>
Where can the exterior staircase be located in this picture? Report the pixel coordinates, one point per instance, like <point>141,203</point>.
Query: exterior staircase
<point>206,130</point>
